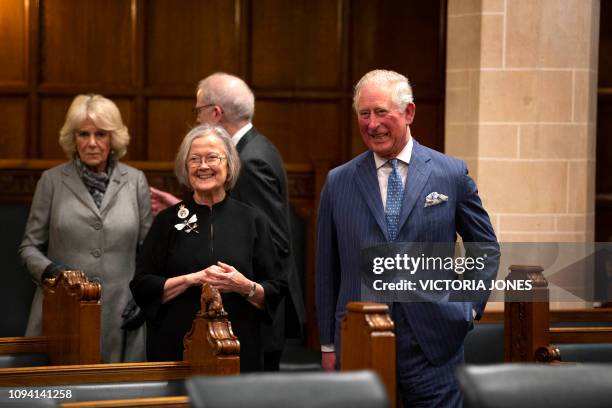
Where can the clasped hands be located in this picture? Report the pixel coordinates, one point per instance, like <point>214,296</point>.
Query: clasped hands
<point>222,277</point>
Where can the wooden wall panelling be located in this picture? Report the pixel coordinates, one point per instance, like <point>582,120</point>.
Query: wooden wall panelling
<point>405,36</point>
<point>297,70</point>
<point>52,116</point>
<point>13,127</point>
<point>33,58</point>
<point>86,42</point>
<point>301,58</point>
<point>425,125</point>
<point>138,144</point>
<point>603,204</point>
<point>605,45</point>
<point>242,35</point>
<point>186,43</point>
<point>14,40</point>
<point>296,45</point>
<point>169,120</point>
<point>301,130</point>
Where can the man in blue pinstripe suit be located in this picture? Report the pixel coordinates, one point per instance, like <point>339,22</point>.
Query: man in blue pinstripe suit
<point>353,215</point>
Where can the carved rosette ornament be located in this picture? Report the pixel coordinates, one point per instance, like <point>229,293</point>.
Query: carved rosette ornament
<point>75,283</point>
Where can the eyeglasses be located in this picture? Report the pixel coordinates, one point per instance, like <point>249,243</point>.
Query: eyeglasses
<point>210,160</point>
<point>196,111</point>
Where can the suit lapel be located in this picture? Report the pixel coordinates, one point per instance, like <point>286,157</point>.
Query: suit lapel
<point>115,184</point>
<point>418,174</point>
<point>367,182</point>
<point>74,183</point>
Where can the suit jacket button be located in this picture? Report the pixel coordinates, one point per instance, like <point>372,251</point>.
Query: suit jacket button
<point>96,253</point>
<point>97,225</point>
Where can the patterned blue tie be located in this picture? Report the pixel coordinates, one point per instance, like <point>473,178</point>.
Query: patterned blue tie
<point>395,192</point>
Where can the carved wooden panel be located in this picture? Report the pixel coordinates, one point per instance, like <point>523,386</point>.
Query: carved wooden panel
<point>169,120</point>
<point>296,44</point>
<point>13,127</point>
<point>86,42</point>
<point>13,37</point>
<point>301,130</point>
<point>185,42</point>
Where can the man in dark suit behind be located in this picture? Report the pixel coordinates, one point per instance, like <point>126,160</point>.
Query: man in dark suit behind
<point>385,195</point>
<point>226,100</point>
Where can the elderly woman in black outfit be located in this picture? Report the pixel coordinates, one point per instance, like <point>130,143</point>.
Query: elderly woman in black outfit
<point>211,238</point>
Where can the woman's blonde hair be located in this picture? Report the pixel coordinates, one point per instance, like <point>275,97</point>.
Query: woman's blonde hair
<point>103,113</point>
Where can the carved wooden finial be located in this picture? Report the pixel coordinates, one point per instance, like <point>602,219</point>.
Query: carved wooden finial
<point>75,283</point>
<point>211,304</point>
<point>526,317</point>
<point>210,346</point>
<point>71,318</point>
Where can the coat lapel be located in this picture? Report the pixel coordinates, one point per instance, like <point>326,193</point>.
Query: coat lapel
<point>367,182</point>
<point>73,181</point>
<point>418,174</point>
<point>115,184</point>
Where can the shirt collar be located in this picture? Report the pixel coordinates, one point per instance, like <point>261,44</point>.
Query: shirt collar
<point>403,156</point>
<point>241,132</point>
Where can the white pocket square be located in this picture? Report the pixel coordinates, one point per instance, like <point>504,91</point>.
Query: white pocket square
<point>435,199</point>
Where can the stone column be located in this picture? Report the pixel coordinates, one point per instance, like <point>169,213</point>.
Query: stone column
<point>521,98</point>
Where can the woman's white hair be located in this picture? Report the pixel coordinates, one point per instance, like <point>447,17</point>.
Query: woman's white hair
<point>103,113</point>
<point>231,154</point>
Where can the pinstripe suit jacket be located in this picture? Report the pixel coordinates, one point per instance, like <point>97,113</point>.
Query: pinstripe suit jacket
<point>351,217</point>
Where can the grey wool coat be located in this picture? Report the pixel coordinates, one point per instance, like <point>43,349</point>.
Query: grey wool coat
<point>65,226</point>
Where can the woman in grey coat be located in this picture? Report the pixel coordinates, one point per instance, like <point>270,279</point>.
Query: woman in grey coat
<point>91,214</point>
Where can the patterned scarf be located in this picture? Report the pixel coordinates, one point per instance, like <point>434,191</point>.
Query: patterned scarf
<point>96,182</point>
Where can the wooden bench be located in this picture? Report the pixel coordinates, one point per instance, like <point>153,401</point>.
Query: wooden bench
<point>368,343</point>
<point>71,324</point>
<point>210,348</point>
<point>532,333</point>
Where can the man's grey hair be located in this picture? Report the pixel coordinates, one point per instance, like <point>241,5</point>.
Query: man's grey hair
<point>231,155</point>
<point>401,93</point>
<point>231,93</point>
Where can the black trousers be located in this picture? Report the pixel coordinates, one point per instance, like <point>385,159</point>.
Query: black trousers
<point>272,360</point>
